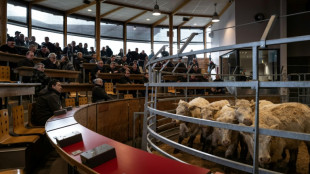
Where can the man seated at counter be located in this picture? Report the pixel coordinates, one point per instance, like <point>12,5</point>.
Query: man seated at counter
<point>135,69</point>
<point>98,92</point>
<point>124,68</point>
<point>47,103</point>
<point>78,61</point>
<point>112,59</point>
<point>44,52</point>
<point>111,69</point>
<point>93,58</point>
<point>39,77</point>
<point>126,78</point>
<point>28,61</point>
<point>195,70</point>
<point>50,62</point>
<point>98,69</point>
<point>123,60</point>
<point>9,47</point>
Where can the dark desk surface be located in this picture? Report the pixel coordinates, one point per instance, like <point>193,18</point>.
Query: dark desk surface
<point>129,160</point>
<point>15,58</point>
<point>28,71</point>
<point>76,87</point>
<point>17,89</point>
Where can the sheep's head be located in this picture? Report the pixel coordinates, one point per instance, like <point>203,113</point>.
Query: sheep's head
<point>182,109</point>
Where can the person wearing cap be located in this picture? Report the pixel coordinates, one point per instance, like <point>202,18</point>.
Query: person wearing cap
<point>44,52</point>
<point>9,47</point>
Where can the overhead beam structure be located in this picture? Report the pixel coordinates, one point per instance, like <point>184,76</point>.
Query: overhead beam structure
<point>36,1</point>
<point>110,12</point>
<point>81,7</point>
<point>135,17</point>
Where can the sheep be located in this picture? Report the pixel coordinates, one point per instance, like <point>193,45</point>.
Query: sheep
<point>285,116</point>
<point>190,109</point>
<point>208,112</point>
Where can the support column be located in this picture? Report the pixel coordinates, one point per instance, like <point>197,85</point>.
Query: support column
<point>152,38</point>
<point>97,23</point>
<point>125,38</point>
<point>179,38</point>
<point>283,49</point>
<point>3,21</point>
<point>65,32</point>
<point>171,34</point>
<point>205,40</point>
<point>29,21</point>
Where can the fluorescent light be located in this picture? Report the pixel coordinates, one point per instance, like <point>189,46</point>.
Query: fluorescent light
<point>89,10</point>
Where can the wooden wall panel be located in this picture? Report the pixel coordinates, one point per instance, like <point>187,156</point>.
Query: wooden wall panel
<point>134,106</point>
<point>92,117</point>
<point>112,120</point>
<point>81,117</point>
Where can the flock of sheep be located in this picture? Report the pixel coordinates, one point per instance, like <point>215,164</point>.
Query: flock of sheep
<point>286,116</point>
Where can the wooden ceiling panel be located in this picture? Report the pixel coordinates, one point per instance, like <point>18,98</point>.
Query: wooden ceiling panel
<point>143,19</point>
<point>177,20</point>
<point>197,22</point>
<point>123,14</point>
<point>104,8</point>
<point>62,5</point>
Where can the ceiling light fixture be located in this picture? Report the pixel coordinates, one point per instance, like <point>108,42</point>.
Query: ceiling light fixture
<point>195,24</point>
<point>156,11</point>
<point>215,17</point>
<point>89,10</point>
<point>147,19</point>
<point>134,27</point>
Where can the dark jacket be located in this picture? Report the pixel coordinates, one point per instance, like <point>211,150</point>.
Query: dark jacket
<point>47,103</point>
<point>39,77</point>
<point>41,54</point>
<point>6,48</point>
<point>95,70</point>
<point>49,64</point>
<point>99,94</point>
<point>125,80</point>
<point>66,66</point>
<point>25,62</point>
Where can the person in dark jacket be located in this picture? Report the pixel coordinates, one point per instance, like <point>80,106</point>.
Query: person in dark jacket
<point>65,64</point>
<point>135,69</point>
<point>47,103</point>
<point>9,47</point>
<point>98,92</point>
<point>44,52</point>
<point>109,51</point>
<point>39,77</point>
<point>28,61</point>
<point>50,62</point>
<point>98,69</point>
<point>126,78</point>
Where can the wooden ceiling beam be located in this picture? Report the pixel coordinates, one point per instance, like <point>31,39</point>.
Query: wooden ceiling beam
<point>110,12</point>
<point>131,6</point>
<point>36,1</point>
<point>135,17</point>
<point>81,7</point>
<point>159,21</point>
<point>193,15</point>
<point>220,14</point>
<point>183,23</point>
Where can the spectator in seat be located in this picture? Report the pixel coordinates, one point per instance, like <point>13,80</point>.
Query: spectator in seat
<point>92,51</point>
<point>48,102</point>
<point>26,42</point>
<point>44,52</point>
<point>93,58</point>
<point>164,53</point>
<point>98,69</point>
<point>123,60</point>
<point>142,58</point>
<point>218,90</point>
<point>135,69</point>
<point>78,61</point>
<point>112,68</point>
<point>124,68</point>
<point>50,62</point>
<point>39,77</point>
<point>20,41</point>
<point>112,59</point>
<point>33,48</point>
<point>33,42</point>
<point>9,47</point>
<point>58,50</point>
<point>195,70</point>
<point>103,52</point>
<point>17,33</point>
<point>194,62</point>
<point>49,45</point>
<point>28,61</point>
<point>65,64</point>
<point>98,92</point>
<point>126,78</point>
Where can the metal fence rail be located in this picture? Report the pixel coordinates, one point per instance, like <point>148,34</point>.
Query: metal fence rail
<point>148,128</point>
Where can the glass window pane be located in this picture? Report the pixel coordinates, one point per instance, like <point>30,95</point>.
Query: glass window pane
<point>54,37</point>
<point>185,33</point>
<point>47,20</point>
<point>78,39</point>
<point>16,13</point>
<point>81,26</point>
<point>111,30</point>
<point>160,34</point>
<point>13,28</point>
<point>194,47</point>
<point>115,45</point>
<point>138,33</point>
<point>146,46</point>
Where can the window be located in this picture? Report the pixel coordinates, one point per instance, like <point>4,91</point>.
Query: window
<point>54,37</point>
<point>115,45</point>
<point>160,34</point>
<point>185,33</point>
<point>78,39</point>
<point>16,13</point>
<point>138,33</point>
<point>80,26</point>
<point>158,45</point>
<point>47,20</point>
<point>13,28</point>
<point>146,46</point>
<point>111,30</point>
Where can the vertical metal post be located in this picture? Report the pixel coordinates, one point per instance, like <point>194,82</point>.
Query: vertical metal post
<point>144,132</point>
<point>256,133</point>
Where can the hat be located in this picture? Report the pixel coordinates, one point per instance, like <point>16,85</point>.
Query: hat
<point>11,39</point>
<point>17,32</point>
<point>44,46</point>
